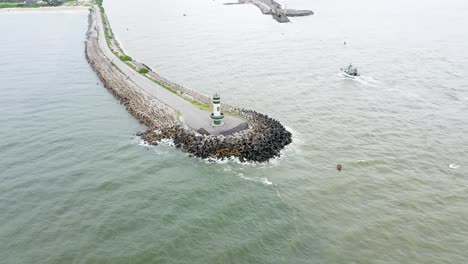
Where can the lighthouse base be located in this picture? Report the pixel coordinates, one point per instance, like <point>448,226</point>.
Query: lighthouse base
<point>217,123</point>
<point>217,120</point>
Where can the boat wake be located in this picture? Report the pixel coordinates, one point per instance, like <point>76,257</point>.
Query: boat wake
<point>370,80</point>
<point>365,80</point>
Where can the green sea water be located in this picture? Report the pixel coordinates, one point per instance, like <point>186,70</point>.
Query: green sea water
<point>76,185</point>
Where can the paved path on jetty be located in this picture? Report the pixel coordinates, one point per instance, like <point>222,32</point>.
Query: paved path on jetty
<point>193,116</point>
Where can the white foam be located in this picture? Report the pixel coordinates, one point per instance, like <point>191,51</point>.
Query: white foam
<point>141,142</point>
<point>273,161</point>
<point>263,180</point>
<point>218,161</point>
<point>454,166</point>
<point>365,80</point>
<point>138,140</point>
<point>144,143</point>
<point>289,129</point>
<point>364,162</point>
<point>168,142</point>
<point>362,80</point>
<point>370,79</point>
<point>288,150</point>
<point>279,194</point>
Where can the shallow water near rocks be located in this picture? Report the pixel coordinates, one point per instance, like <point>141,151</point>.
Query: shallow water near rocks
<point>76,185</point>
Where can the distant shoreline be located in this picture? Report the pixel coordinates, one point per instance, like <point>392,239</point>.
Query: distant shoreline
<point>46,8</point>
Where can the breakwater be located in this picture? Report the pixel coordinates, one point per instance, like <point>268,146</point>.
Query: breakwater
<point>146,108</point>
<point>273,8</point>
<point>259,139</point>
<point>263,141</point>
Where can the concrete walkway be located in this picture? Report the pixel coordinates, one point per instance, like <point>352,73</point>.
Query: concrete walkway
<point>192,116</point>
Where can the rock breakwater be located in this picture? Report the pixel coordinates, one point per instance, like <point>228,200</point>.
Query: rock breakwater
<point>273,8</point>
<point>146,108</point>
<point>259,140</point>
<point>264,140</point>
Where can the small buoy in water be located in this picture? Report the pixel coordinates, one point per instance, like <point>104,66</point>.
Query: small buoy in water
<point>454,166</point>
<point>339,167</point>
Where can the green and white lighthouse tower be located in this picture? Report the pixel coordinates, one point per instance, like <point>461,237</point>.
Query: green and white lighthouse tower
<point>217,116</point>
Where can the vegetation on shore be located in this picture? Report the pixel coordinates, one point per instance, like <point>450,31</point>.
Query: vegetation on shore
<point>143,70</point>
<point>18,5</point>
<point>201,105</point>
<point>197,103</point>
<point>32,4</point>
<point>107,33</point>
<point>125,58</point>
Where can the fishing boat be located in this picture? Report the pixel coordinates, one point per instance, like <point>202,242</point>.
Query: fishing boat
<point>350,71</point>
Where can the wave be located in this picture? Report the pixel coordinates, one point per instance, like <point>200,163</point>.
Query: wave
<point>263,180</point>
<point>365,80</point>
<point>138,140</point>
<point>370,79</point>
<point>365,162</point>
<point>224,160</point>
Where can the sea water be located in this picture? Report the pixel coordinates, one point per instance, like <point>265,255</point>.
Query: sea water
<point>77,185</point>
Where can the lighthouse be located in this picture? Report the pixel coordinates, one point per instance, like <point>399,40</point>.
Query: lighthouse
<point>217,116</point>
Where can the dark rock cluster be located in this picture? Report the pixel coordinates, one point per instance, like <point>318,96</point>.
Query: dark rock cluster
<point>263,141</point>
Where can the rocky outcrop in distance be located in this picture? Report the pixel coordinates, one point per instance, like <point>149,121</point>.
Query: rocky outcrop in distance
<point>273,8</point>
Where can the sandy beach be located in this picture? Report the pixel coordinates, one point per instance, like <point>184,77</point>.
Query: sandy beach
<point>46,8</point>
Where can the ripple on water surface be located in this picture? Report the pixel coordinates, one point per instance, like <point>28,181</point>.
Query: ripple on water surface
<point>76,186</point>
